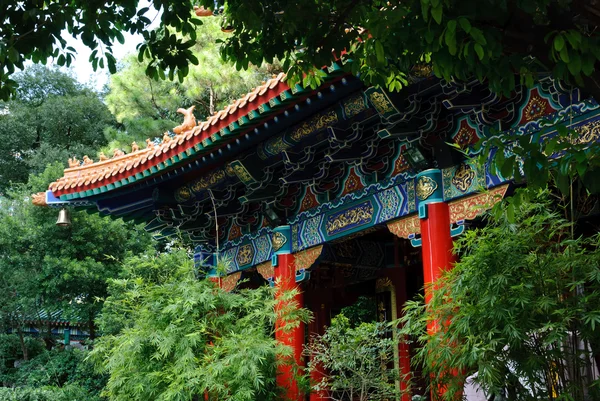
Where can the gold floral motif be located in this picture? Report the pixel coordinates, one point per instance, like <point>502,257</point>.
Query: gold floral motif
<point>588,133</point>
<point>356,216</point>
<point>472,206</point>
<point>183,194</point>
<point>352,183</point>
<point>245,254</point>
<point>276,146</point>
<point>229,282</point>
<point>410,190</point>
<point>314,124</point>
<point>381,103</point>
<point>266,269</point>
<point>309,201</point>
<point>208,180</point>
<point>229,170</point>
<point>242,173</point>
<point>464,137</point>
<point>404,227</point>
<point>401,165</point>
<point>305,259</point>
<point>354,106</point>
<point>426,186</point>
<point>234,232</point>
<point>534,109</point>
<point>278,240</point>
<point>463,177</point>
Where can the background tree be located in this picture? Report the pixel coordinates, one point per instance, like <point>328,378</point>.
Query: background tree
<point>168,335</point>
<point>518,310</point>
<point>34,31</point>
<point>48,267</point>
<point>145,108</point>
<point>53,117</point>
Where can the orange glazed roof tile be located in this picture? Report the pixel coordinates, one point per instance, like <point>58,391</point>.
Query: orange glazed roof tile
<point>87,179</point>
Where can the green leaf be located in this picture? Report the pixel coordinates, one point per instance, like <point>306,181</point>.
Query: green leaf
<point>510,212</point>
<point>479,51</point>
<point>574,38</point>
<point>587,64</point>
<point>564,55</point>
<point>559,42</point>
<point>450,38</point>
<point>120,37</point>
<point>575,64</point>
<point>465,24</point>
<point>436,13</point>
<point>563,182</point>
<point>379,52</point>
<point>478,35</point>
<point>13,54</point>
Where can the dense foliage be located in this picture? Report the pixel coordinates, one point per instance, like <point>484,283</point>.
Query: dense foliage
<point>11,351</point>
<point>45,267</point>
<point>34,30</point>
<point>519,310</point>
<point>169,336</point>
<point>356,361</point>
<point>386,41</point>
<point>52,118</point>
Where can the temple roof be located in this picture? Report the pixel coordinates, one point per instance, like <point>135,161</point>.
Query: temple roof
<point>93,178</point>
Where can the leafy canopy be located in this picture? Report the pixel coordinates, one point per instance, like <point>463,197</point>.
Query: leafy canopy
<point>519,310</point>
<point>390,41</point>
<point>52,117</point>
<point>43,266</point>
<point>34,30</point>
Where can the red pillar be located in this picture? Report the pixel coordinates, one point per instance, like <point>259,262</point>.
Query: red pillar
<point>285,280</point>
<point>436,243</point>
<point>436,239</point>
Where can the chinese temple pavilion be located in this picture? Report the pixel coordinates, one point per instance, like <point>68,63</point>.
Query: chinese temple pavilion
<point>341,191</point>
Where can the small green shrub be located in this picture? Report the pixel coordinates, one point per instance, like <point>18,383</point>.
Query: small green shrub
<point>60,368</point>
<point>71,392</point>
<point>10,351</point>
<point>358,361</point>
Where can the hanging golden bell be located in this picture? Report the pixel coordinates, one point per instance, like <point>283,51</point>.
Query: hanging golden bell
<point>64,220</point>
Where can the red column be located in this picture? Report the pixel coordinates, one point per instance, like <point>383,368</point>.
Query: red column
<point>436,239</point>
<point>285,280</point>
<point>436,243</point>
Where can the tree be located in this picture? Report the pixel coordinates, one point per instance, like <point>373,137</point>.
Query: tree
<point>43,266</point>
<point>53,117</point>
<point>518,311</point>
<point>168,335</point>
<point>146,108</point>
<point>388,41</point>
<point>34,31</point>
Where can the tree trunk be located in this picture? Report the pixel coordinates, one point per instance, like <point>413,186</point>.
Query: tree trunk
<point>211,97</point>
<point>92,328</point>
<point>22,341</point>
